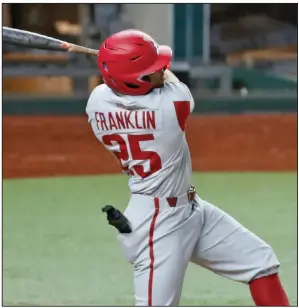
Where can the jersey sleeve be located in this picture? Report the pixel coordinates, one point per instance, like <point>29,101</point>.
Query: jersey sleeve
<point>183,104</point>
<point>91,111</point>
<point>187,93</point>
<point>91,104</point>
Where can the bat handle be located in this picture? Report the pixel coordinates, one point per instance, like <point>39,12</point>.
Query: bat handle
<point>81,49</point>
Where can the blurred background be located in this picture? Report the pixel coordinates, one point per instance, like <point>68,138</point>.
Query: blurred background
<point>240,62</point>
<point>221,50</point>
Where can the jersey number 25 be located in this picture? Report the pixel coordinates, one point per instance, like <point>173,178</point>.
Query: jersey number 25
<point>122,155</point>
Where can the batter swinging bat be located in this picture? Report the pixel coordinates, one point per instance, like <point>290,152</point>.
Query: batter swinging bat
<point>35,40</point>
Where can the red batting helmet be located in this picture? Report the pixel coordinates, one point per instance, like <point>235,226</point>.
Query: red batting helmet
<point>127,56</point>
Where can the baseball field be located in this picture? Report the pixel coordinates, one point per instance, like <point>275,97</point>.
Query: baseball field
<point>58,249</point>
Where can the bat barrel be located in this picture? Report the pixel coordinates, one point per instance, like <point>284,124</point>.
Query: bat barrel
<point>30,39</point>
<point>35,40</point>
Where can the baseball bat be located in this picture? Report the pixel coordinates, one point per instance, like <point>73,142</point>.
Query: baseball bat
<point>35,40</point>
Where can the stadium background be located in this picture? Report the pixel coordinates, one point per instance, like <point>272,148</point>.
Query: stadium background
<point>240,62</point>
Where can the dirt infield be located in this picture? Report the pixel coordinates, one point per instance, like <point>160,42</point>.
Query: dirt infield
<point>48,146</point>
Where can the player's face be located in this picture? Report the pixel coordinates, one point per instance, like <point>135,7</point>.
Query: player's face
<point>157,79</point>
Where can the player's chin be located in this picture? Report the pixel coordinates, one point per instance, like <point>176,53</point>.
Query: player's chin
<point>159,85</point>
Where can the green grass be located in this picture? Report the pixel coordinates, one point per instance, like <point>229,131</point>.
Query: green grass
<point>59,250</point>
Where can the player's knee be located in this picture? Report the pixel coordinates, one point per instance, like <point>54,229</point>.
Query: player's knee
<point>268,263</point>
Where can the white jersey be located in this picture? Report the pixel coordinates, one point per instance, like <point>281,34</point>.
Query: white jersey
<point>147,135</point>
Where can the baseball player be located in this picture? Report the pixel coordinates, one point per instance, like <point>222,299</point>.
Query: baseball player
<point>140,114</point>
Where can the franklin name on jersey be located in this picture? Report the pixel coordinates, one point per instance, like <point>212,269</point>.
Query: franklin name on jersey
<point>124,120</point>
